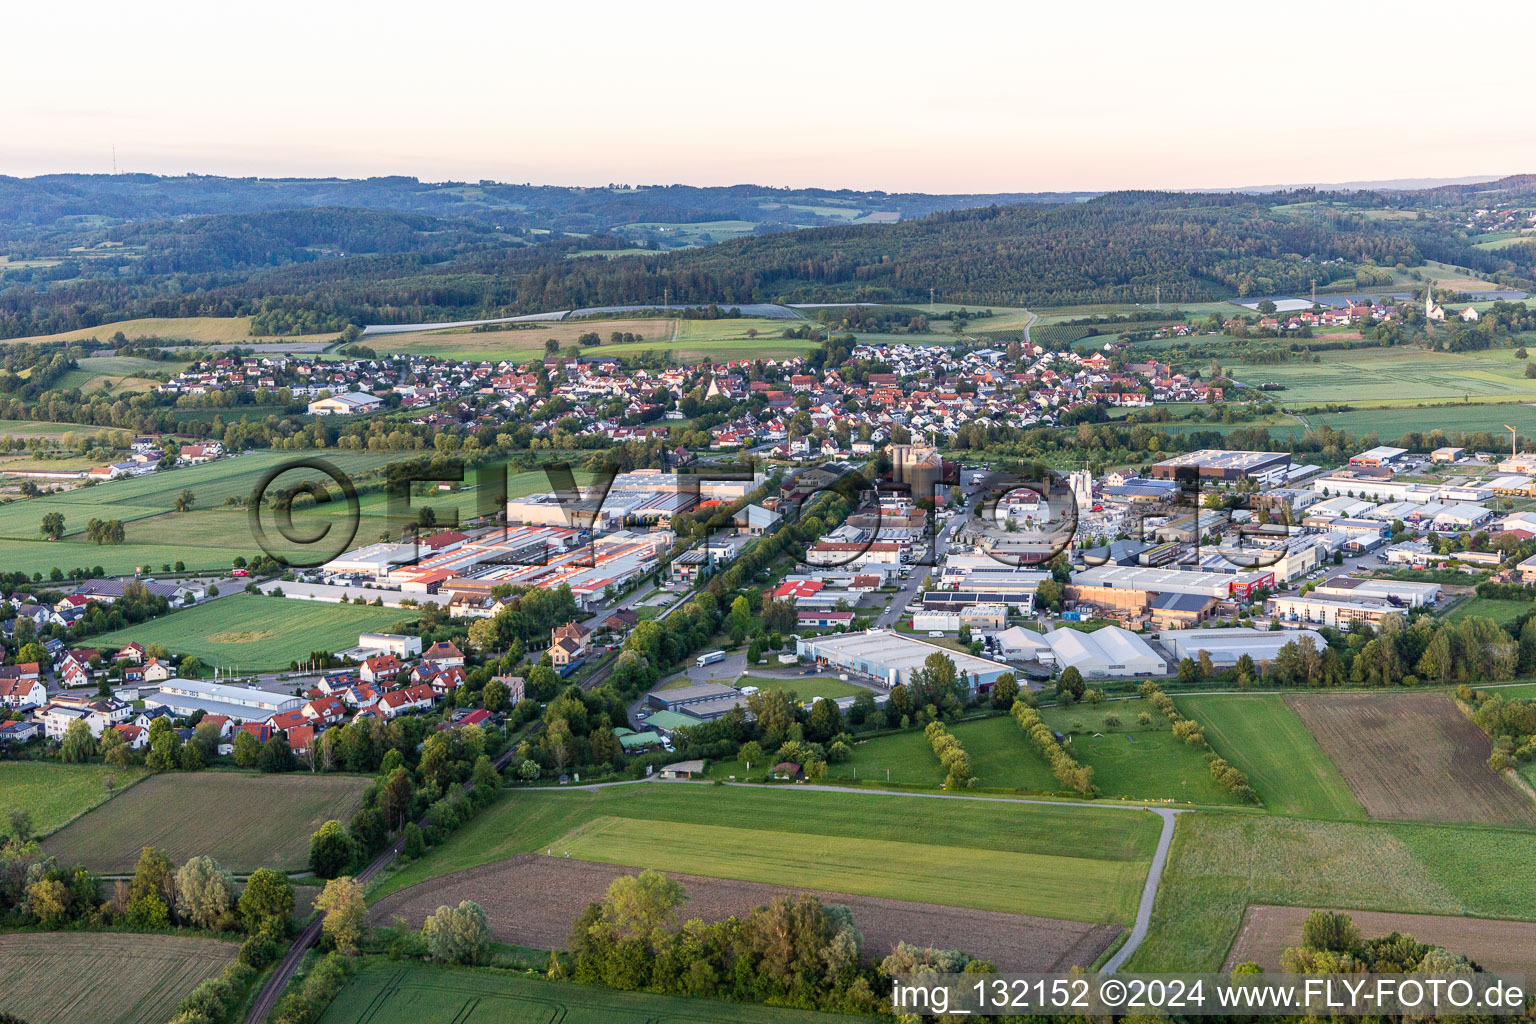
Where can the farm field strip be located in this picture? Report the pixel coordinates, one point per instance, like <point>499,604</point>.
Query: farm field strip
<point>243,821</point>
<point>388,992</point>
<point>68,977</point>
<point>1497,945</point>
<point>1270,744</point>
<point>1222,862</point>
<point>1073,888</point>
<point>1412,757</point>
<point>531,821</point>
<point>532,899</point>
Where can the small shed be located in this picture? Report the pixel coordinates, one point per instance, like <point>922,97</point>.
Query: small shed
<point>788,770</point>
<point>683,770</point>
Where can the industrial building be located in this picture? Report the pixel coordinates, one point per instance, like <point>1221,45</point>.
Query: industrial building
<point>1229,466</point>
<point>1107,653</point>
<point>241,703</point>
<point>1408,594</point>
<point>1226,646</point>
<point>1338,612</point>
<point>890,659</point>
<point>1221,585</point>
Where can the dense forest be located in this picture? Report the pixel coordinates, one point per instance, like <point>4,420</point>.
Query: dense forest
<point>330,265</point>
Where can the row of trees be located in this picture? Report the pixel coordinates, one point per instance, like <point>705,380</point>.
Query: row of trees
<point>1187,729</point>
<point>1064,766</point>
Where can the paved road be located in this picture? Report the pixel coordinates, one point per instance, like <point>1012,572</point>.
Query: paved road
<point>273,989</point>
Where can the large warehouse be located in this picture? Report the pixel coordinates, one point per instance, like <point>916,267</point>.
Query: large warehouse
<point>1217,464</point>
<point>1107,653</point>
<point>889,659</point>
<point>1226,646</point>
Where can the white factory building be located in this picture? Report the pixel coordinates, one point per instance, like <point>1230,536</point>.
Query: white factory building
<point>1226,646</point>
<point>1107,653</point>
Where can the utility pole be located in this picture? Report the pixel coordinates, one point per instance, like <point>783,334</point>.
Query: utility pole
<point>1159,294</point>
<point>930,298</point>
<point>1314,291</point>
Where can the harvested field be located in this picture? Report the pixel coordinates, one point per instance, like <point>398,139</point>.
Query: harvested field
<point>68,977</point>
<point>532,900</point>
<point>243,821</point>
<point>1412,757</point>
<point>1496,945</point>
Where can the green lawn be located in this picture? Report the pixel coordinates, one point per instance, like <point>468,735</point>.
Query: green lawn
<point>1270,744</point>
<point>1500,610</point>
<point>257,633</point>
<point>1079,863</point>
<point>392,992</point>
<point>1221,862</point>
<point>1002,758</point>
<point>806,687</point>
<point>55,794</point>
<point>1132,761</point>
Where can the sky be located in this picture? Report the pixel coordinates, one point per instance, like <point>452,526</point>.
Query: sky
<point>954,97</point>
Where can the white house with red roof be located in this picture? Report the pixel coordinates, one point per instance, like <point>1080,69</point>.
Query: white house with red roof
<point>16,692</point>
<point>443,654</point>
<point>379,668</point>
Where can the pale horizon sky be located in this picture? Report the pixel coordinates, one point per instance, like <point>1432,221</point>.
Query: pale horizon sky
<point>962,97</point>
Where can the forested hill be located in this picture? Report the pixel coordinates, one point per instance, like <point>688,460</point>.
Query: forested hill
<point>1119,247</point>
<point>66,207</point>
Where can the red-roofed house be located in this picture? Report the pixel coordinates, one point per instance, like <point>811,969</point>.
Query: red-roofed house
<point>135,736</point>
<point>399,702</point>
<point>447,540</point>
<point>287,720</point>
<point>379,667</point>
<point>443,654</point>
<point>300,737</point>
<point>261,730</point>
<point>133,652</point>
<point>324,710</point>
<point>16,692</point>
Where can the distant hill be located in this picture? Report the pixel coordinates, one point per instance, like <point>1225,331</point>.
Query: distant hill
<point>73,206</point>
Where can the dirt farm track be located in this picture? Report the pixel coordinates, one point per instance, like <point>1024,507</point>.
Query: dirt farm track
<point>1499,946</point>
<point>1412,757</point>
<point>533,899</point>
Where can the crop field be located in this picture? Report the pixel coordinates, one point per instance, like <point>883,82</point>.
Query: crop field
<point>388,992</point>
<point>519,341</point>
<point>1020,883</point>
<point>741,338</point>
<point>1223,862</point>
<point>255,632</point>
<point>211,329</point>
<point>40,428</point>
<point>1134,761</point>
<point>1068,862</point>
<point>243,821</point>
<point>68,977</point>
<point>55,794</point>
<point>532,899</point>
<point>1412,757</point>
<point>1496,945</point>
<point>1270,744</point>
<point>154,533</point>
<point>1392,376</point>
<point>1392,423</point>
